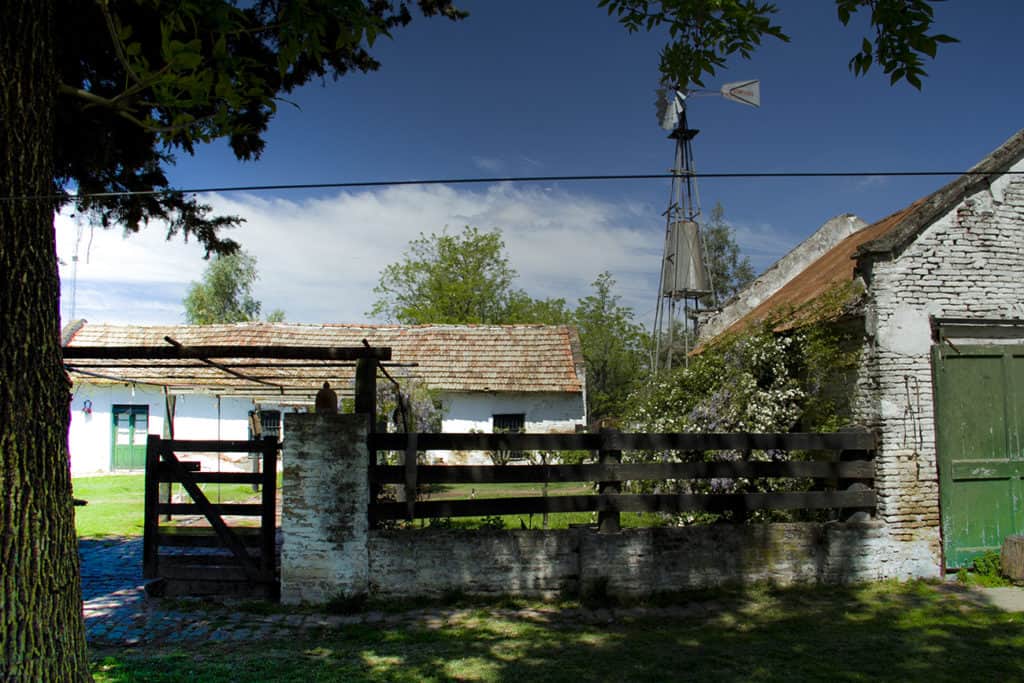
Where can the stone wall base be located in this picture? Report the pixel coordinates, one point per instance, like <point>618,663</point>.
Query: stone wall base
<point>637,562</point>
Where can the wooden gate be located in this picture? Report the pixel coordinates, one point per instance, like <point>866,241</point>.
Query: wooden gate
<point>220,554</point>
<point>979,413</point>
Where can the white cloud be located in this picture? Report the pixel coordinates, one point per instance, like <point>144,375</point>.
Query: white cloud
<point>489,164</point>
<point>319,258</point>
<point>872,182</point>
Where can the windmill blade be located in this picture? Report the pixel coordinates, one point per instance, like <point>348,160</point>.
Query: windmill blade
<point>665,111</point>
<point>669,106</point>
<point>744,92</point>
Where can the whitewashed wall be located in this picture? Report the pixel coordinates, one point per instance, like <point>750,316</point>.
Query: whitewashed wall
<point>201,416</point>
<point>197,416</point>
<point>545,412</point>
<point>89,436</point>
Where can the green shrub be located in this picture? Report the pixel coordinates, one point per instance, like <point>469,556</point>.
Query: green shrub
<point>986,571</point>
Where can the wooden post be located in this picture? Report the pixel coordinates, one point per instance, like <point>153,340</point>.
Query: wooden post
<point>150,519</point>
<point>740,513</point>
<point>1011,560</point>
<point>410,475</point>
<point>167,488</point>
<point>854,515</point>
<point>366,403</point>
<point>366,389</point>
<point>608,521</point>
<point>268,519</point>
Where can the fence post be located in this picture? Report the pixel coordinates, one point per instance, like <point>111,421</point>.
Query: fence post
<point>268,500</point>
<point>150,519</point>
<point>410,475</point>
<point>842,484</point>
<point>608,521</point>
<point>366,402</point>
<point>366,389</point>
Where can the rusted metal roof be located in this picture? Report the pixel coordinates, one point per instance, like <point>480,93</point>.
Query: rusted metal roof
<point>500,358</point>
<point>832,269</point>
<point>795,300</point>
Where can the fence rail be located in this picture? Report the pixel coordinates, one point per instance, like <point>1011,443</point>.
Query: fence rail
<point>623,441</point>
<point>848,466</point>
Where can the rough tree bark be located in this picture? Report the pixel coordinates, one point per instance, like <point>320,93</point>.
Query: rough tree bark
<point>42,636</point>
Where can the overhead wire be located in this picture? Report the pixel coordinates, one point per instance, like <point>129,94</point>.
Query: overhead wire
<point>223,189</point>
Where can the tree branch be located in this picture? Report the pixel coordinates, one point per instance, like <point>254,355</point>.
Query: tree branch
<point>118,47</point>
<point>112,104</point>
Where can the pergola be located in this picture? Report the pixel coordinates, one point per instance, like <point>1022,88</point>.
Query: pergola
<point>282,374</point>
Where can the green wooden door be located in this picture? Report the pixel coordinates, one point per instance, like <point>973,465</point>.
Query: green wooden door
<point>979,412</point>
<point>131,425</point>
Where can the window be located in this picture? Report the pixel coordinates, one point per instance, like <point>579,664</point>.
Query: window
<point>508,423</point>
<point>270,423</point>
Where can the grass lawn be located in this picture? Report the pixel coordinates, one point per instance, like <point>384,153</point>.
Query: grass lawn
<point>556,520</point>
<point>116,502</point>
<point>880,632</point>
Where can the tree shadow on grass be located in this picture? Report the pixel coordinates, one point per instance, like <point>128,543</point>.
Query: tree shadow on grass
<point>874,632</point>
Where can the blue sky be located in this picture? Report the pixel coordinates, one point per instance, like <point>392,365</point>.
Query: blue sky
<point>559,88</point>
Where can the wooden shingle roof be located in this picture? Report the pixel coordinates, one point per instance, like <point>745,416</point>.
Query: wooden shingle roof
<point>521,358</point>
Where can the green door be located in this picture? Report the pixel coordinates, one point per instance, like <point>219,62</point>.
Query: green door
<point>979,413</point>
<point>131,426</point>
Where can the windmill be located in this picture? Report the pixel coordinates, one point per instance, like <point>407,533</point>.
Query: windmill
<point>684,276</point>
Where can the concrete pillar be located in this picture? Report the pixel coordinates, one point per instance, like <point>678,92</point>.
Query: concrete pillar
<point>324,508</point>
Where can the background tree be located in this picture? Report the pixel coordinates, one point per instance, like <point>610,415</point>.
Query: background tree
<point>98,96</point>
<point>612,347</point>
<point>225,293</point>
<point>453,279</point>
<point>730,271</point>
<point>703,33</point>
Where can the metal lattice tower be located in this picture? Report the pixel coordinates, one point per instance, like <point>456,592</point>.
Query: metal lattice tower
<point>684,276</point>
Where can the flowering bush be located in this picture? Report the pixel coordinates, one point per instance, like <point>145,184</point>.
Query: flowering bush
<point>747,384</point>
<point>756,381</point>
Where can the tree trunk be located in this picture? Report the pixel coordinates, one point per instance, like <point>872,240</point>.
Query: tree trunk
<point>42,635</point>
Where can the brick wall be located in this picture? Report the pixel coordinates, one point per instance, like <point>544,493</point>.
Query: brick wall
<point>969,263</point>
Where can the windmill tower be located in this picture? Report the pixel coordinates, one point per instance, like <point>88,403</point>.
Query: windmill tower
<point>684,276</point>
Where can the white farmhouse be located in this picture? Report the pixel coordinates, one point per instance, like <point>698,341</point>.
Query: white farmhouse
<point>485,377</point>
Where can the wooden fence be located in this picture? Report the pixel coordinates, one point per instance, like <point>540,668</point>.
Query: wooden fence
<point>251,560</point>
<point>843,480</point>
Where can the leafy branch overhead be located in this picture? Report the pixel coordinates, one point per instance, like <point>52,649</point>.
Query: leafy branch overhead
<point>703,34</point>
<point>140,80</point>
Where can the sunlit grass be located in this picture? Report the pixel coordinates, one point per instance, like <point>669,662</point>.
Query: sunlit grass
<point>116,501</point>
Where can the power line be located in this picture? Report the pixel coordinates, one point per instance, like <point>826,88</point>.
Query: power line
<point>509,179</point>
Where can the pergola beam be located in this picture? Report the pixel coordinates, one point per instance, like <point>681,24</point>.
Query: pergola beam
<point>338,353</point>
